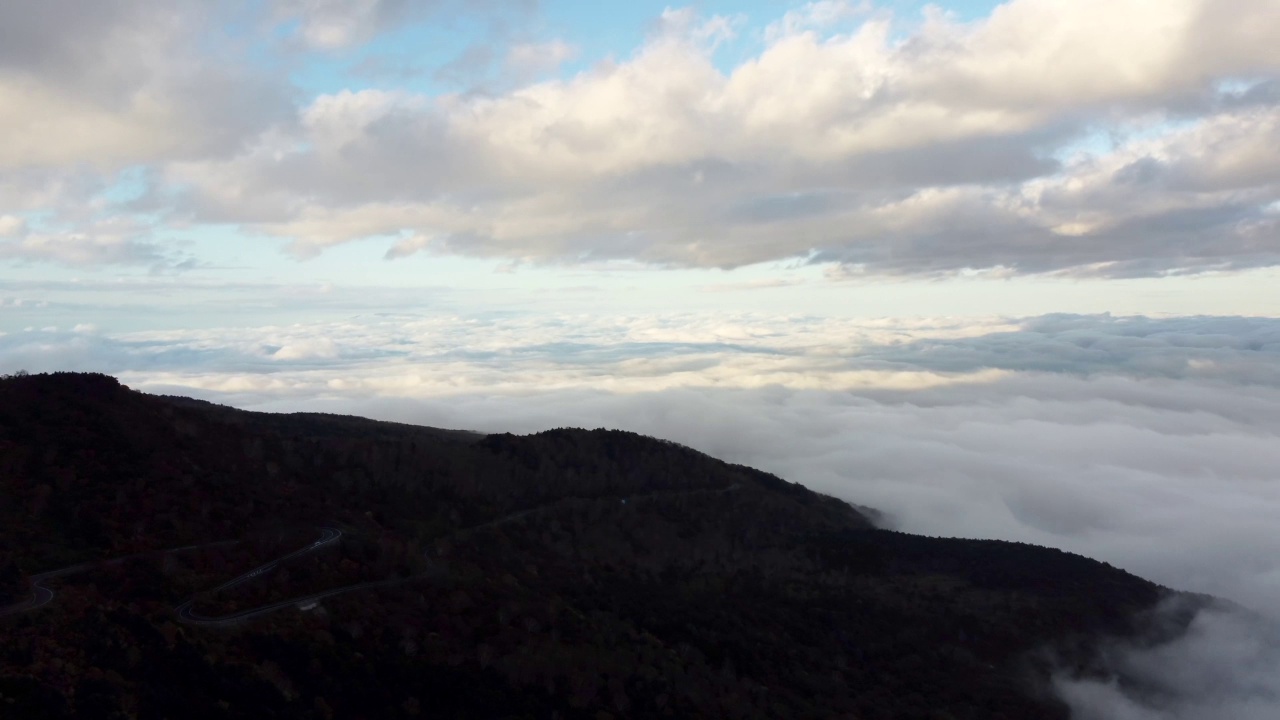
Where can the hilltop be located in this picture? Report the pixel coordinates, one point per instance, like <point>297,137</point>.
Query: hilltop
<point>229,564</point>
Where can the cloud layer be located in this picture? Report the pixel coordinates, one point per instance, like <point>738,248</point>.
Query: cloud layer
<point>1115,437</point>
<point>1119,138</point>
<point>1149,443</point>
<point>1226,666</point>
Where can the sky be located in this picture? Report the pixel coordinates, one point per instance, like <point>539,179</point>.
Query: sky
<point>853,158</point>
<point>1002,270</point>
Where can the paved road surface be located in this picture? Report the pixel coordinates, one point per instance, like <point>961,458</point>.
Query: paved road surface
<point>327,536</point>
<point>187,615</point>
<point>41,595</point>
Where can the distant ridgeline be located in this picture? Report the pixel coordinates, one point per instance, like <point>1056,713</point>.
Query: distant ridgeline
<point>170,558</point>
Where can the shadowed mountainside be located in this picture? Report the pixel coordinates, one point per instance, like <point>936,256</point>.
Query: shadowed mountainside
<point>571,573</point>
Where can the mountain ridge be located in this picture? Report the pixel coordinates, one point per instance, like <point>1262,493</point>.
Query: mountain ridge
<point>567,573</point>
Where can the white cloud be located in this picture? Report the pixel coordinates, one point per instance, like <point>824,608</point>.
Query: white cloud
<point>918,156</point>
<point>818,16</point>
<point>109,242</point>
<point>1226,666</point>
<point>848,138</point>
<point>123,82</point>
<point>306,348</point>
<point>1113,437</point>
<point>11,225</point>
<point>90,90</point>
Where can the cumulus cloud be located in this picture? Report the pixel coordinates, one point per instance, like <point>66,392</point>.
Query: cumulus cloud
<point>123,82</point>
<point>818,16</point>
<point>934,153</point>
<point>877,143</point>
<point>88,91</point>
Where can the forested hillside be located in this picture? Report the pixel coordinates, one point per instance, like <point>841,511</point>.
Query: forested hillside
<point>433,573</point>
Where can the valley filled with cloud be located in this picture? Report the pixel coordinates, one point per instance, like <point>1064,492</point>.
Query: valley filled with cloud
<point>998,270</point>
<point>1118,438</point>
<point>1148,443</point>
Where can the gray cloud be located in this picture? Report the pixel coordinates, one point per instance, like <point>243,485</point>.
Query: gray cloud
<point>122,83</point>
<point>332,25</point>
<point>1245,350</point>
<point>90,92</point>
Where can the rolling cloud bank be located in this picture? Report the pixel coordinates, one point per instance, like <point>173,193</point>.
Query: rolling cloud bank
<point>1148,443</point>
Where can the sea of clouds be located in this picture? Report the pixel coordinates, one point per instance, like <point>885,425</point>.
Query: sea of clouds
<point>1149,443</point>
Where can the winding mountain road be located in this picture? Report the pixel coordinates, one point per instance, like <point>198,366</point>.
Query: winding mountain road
<point>42,595</point>
<point>187,615</point>
<point>328,536</point>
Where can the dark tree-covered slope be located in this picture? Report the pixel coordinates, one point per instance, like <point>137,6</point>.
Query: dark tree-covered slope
<point>433,573</point>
